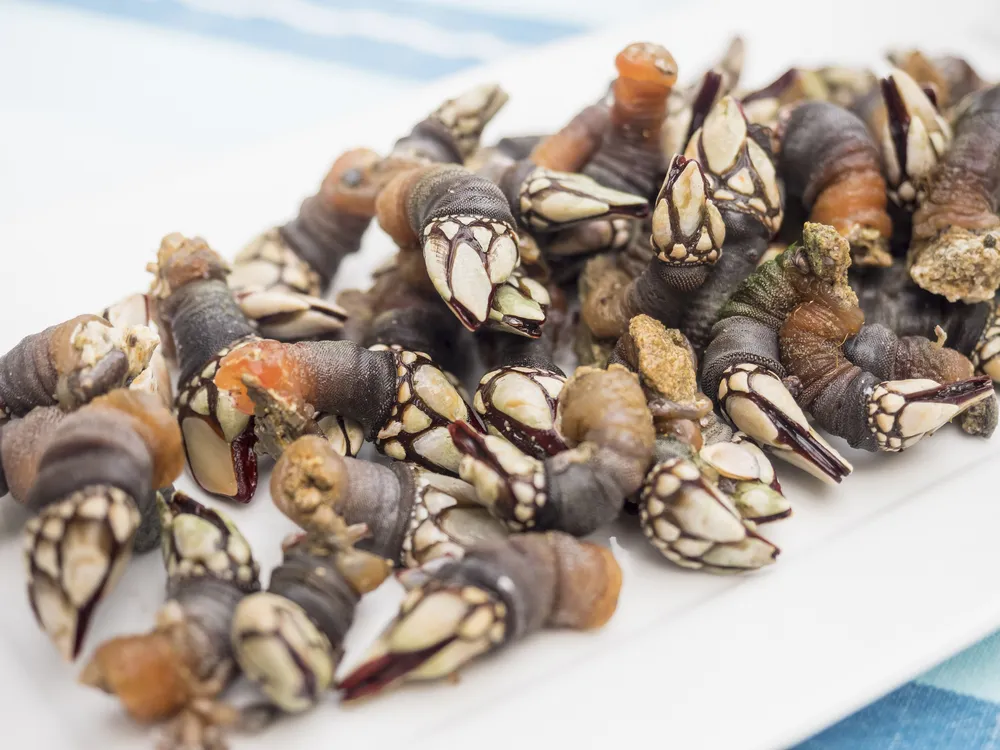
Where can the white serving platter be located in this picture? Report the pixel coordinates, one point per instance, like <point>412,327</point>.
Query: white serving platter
<point>878,579</point>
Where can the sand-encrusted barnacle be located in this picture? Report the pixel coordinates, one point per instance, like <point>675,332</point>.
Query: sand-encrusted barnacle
<point>71,363</point>
<point>742,368</point>
<point>197,310</point>
<point>178,669</point>
<point>603,416</point>
<point>131,314</point>
<point>500,592</point>
<point>402,400</point>
<point>289,639</point>
<point>913,137</point>
<point>93,485</point>
<point>953,250</point>
<point>830,163</point>
<point>413,515</point>
<point>890,298</point>
<point>688,105</point>
<point>518,395</point>
<point>867,410</point>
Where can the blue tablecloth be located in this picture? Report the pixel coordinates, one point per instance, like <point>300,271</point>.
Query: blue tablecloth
<point>952,707</point>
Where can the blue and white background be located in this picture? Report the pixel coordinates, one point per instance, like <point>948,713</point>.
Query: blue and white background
<point>252,70</point>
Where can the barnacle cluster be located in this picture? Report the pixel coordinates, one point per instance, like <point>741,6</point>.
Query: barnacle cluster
<point>683,282</point>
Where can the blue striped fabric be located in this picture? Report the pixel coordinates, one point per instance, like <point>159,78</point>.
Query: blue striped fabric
<point>955,706</point>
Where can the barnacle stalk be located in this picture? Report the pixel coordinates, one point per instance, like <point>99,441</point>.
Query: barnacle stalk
<point>603,415</point>
<point>289,639</point>
<point>94,483</point>
<point>831,164</point>
<point>197,309</point>
<point>71,363</point>
<point>178,669</point>
<point>497,594</point>
<point>574,145</point>
<point>401,399</point>
<point>953,251</point>
<point>412,515</point>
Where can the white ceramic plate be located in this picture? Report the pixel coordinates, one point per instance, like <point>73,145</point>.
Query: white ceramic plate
<point>878,579</point>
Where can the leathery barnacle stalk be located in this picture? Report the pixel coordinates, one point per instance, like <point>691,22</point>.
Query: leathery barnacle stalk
<point>848,401</point>
<point>742,368</point>
<point>603,416</point>
<point>953,250</point>
<point>497,594</point>
<point>830,163</point>
<point>179,668</point>
<point>518,395</point>
<point>401,399</point>
<point>571,147</point>
<point>197,310</point>
<point>94,484</point>
<point>71,363</point>
<point>289,639</point>
<point>913,137</point>
<point>412,515</point>
<point>687,232</point>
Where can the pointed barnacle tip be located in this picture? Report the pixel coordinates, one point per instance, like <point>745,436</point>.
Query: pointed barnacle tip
<point>92,675</point>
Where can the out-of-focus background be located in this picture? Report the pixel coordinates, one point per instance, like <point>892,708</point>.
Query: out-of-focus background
<point>243,72</point>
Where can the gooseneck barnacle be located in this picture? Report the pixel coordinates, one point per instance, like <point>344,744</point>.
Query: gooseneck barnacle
<point>178,669</point>
<point>197,310</point>
<point>499,593</point>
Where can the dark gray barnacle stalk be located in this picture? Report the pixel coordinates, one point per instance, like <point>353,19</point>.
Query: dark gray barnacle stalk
<point>499,593</point>
<point>742,368</point>
<point>197,309</point>
<point>413,515</point>
<point>953,249</point>
<point>603,417</point>
<point>913,137</point>
<point>830,163</point>
<point>71,363</point>
<point>178,669</point>
<point>93,486</point>
<point>401,398</point>
<point>518,395</point>
<point>289,639</point>
<point>888,297</point>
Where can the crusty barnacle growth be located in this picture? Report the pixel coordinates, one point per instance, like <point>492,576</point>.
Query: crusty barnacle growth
<point>603,415</point>
<point>500,592</point>
<point>401,399</point>
<point>742,368</point>
<point>413,515</point>
<point>953,251</point>
<point>465,229</point>
<point>134,313</point>
<point>94,484</point>
<point>869,412</point>
<point>71,363</point>
<point>630,157</point>
<point>178,668</point>
<point>289,639</point>
<point>831,164</point>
